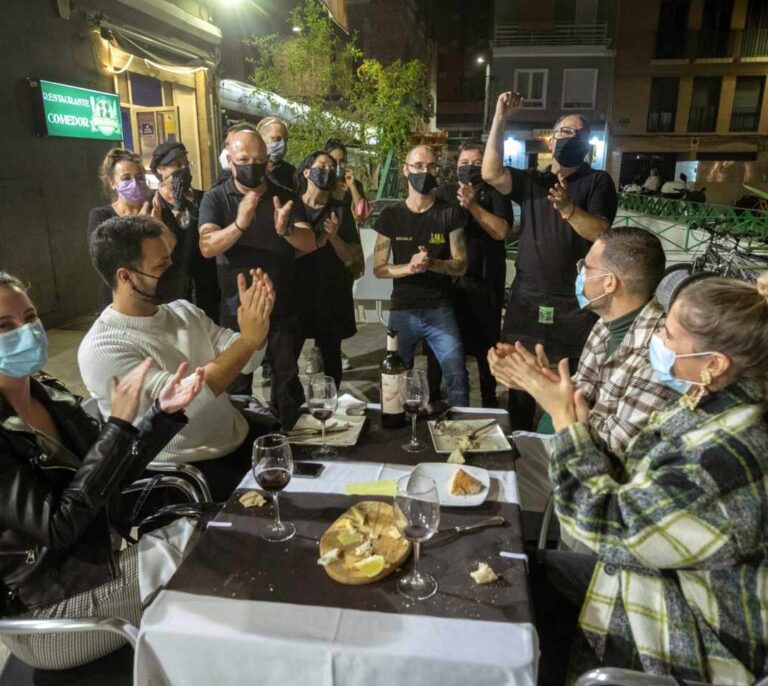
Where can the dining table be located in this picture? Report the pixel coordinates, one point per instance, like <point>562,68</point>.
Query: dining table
<point>242,610</point>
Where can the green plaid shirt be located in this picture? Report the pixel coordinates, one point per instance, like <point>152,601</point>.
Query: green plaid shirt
<point>681,534</point>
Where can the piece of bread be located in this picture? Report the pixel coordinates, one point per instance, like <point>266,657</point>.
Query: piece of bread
<point>484,574</point>
<point>456,457</point>
<point>462,483</point>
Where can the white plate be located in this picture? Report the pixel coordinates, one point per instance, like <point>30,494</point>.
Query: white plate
<point>442,473</point>
<point>339,439</point>
<point>492,440</point>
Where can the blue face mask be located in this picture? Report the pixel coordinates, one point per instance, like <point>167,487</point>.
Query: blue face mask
<point>662,361</point>
<point>276,150</point>
<point>23,351</point>
<point>581,277</point>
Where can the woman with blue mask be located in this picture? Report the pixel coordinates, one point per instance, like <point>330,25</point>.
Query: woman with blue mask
<point>678,527</point>
<point>274,132</point>
<point>62,475</point>
<point>123,178</point>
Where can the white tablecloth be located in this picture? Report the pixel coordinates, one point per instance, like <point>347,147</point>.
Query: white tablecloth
<point>191,640</point>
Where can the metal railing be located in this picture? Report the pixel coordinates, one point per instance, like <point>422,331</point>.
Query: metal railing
<point>557,33</point>
<point>745,121</point>
<point>702,118</point>
<point>709,44</point>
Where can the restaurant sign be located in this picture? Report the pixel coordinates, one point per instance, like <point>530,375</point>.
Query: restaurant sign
<point>74,112</point>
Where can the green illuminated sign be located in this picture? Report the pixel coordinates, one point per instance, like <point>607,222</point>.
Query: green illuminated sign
<point>79,112</point>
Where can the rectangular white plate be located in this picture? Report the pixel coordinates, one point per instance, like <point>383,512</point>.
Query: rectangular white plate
<point>492,440</point>
<point>340,439</point>
<point>442,472</point>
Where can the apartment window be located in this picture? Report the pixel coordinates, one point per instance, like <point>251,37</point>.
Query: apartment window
<point>579,89</point>
<point>746,103</point>
<point>532,85</point>
<point>663,105</point>
<point>705,102</point>
<point>671,30</point>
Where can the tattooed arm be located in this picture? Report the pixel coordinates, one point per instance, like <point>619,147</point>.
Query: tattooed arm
<point>457,265</point>
<point>383,270</point>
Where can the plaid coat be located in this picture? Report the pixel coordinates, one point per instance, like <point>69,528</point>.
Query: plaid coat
<point>622,388</point>
<point>681,534</point>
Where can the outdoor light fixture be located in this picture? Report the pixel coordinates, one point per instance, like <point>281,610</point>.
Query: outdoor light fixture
<point>481,60</point>
<point>297,29</point>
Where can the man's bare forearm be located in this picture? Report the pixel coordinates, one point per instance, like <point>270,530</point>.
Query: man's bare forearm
<point>214,240</point>
<point>494,226</point>
<point>452,267</point>
<point>493,159</point>
<point>587,225</point>
<point>222,370</point>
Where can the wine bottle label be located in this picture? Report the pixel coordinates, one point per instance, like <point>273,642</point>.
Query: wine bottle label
<point>391,393</point>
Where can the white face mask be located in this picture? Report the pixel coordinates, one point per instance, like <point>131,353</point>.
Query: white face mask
<point>223,160</point>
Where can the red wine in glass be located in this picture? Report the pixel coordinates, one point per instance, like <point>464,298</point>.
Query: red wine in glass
<point>273,480</point>
<point>322,414</point>
<point>412,407</point>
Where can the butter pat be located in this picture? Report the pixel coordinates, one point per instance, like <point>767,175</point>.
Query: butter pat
<point>252,499</point>
<point>483,574</point>
<point>456,457</point>
<point>329,558</point>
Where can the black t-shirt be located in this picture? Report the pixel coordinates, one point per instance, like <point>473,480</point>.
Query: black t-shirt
<point>549,248</point>
<point>407,231</point>
<point>259,247</point>
<point>326,305</point>
<point>486,256</point>
<point>97,216</point>
<point>282,175</point>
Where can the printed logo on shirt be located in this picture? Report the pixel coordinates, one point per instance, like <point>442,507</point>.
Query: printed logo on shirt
<point>436,239</point>
<point>403,238</point>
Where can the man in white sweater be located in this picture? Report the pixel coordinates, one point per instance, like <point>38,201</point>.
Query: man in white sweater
<point>146,320</point>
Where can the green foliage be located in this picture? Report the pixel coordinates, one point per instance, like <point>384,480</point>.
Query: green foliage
<point>325,72</point>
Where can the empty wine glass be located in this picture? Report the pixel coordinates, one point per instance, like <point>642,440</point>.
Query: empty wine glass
<point>417,516</point>
<point>272,469</point>
<point>322,400</point>
<point>415,397</point>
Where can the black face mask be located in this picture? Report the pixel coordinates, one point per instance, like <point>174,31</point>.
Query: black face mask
<point>570,152</point>
<point>181,182</point>
<point>251,175</point>
<point>322,178</point>
<point>423,182</point>
<point>470,173</point>
<point>172,284</point>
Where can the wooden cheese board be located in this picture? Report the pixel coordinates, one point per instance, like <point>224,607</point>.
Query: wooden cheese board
<point>369,521</point>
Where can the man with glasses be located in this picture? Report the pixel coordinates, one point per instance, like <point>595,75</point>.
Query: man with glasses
<point>425,237</point>
<point>180,206</point>
<point>563,209</point>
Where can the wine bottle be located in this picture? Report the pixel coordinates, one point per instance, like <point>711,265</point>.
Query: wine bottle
<point>392,370</point>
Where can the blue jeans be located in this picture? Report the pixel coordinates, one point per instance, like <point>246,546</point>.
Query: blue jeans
<point>439,329</point>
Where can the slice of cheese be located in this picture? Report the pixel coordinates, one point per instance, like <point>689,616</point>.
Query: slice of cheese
<point>462,483</point>
<point>365,549</point>
<point>349,536</point>
<point>329,558</point>
<point>456,457</point>
<point>483,574</point>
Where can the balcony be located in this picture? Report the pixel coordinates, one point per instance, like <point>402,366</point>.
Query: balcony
<point>745,121</point>
<point>660,121</point>
<point>553,34</point>
<point>702,45</point>
<point>702,119</point>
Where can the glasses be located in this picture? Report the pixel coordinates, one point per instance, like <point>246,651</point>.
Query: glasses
<point>273,469</point>
<point>420,167</point>
<point>566,132</point>
<point>322,401</point>
<point>417,516</point>
<point>581,264</point>
<point>415,397</point>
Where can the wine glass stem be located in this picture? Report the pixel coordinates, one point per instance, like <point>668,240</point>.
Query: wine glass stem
<point>416,557</point>
<point>278,522</point>
<point>413,430</point>
<point>323,423</point>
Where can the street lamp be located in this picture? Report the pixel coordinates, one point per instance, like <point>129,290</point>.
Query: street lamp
<point>297,29</point>
<point>480,59</point>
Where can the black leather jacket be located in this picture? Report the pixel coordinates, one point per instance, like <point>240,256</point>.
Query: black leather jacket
<point>56,500</point>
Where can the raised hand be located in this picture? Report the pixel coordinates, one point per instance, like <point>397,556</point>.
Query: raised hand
<point>256,303</point>
<point>420,261</point>
<point>467,195</point>
<point>282,215</point>
<point>507,104</point>
<point>559,195</point>
<point>126,392</point>
<point>247,208</point>
<point>176,395</point>
<point>331,224</point>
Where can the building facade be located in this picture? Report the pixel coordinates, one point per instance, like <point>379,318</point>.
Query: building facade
<point>689,94</point>
<point>158,57</point>
<point>558,54</point>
